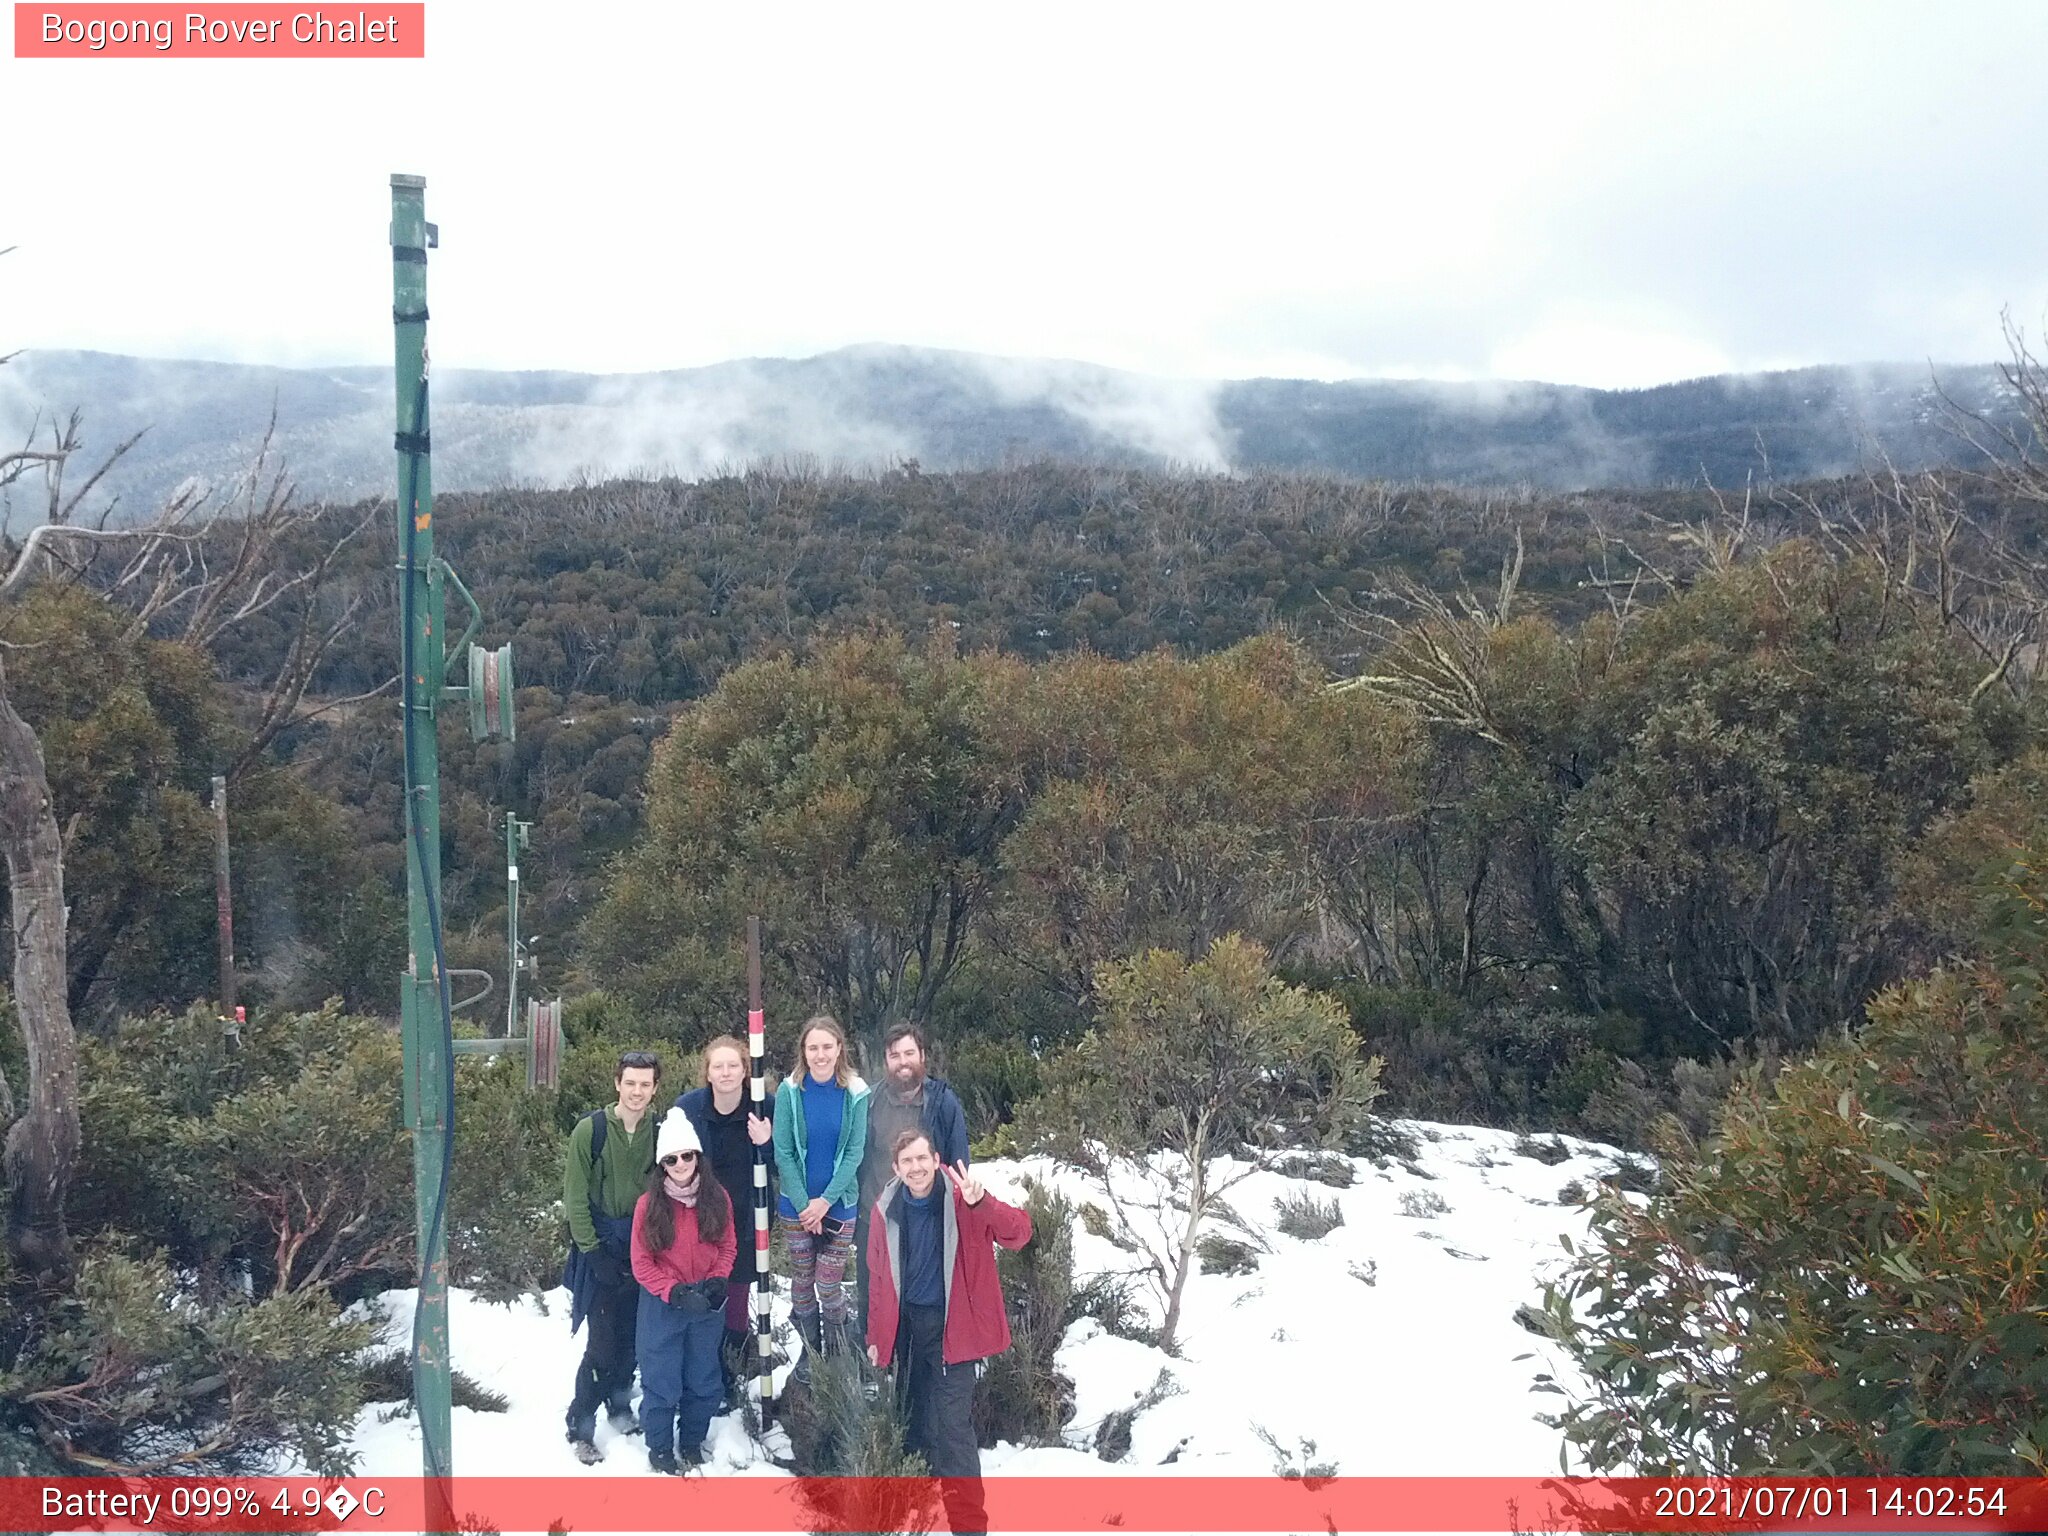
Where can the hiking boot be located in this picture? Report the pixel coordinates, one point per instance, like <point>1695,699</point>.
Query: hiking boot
<point>810,1327</point>
<point>663,1462</point>
<point>690,1456</point>
<point>624,1421</point>
<point>587,1452</point>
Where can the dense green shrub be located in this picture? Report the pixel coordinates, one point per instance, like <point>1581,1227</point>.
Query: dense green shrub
<point>205,1145</point>
<point>268,1164</point>
<point>387,1378</point>
<point>1627,1108</point>
<point>1500,1063</point>
<point>992,1078</point>
<point>1302,1215</point>
<point>1850,1279</point>
<point>279,1158</point>
<point>135,1371</point>
<point>505,1187</point>
<point>1024,1398</point>
<point>599,1012</point>
<point>1323,1167</point>
<point>1225,1255</point>
<point>848,1445</point>
<point>313,1172</point>
<point>1528,1068</point>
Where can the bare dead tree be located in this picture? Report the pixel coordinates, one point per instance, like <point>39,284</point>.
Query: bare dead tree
<point>42,1145</point>
<point>188,577</point>
<point>1920,535</point>
<point>2016,445</point>
<point>1435,658</point>
<point>1972,570</point>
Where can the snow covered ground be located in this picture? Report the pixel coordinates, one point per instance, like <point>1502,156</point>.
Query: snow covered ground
<point>1390,1343</point>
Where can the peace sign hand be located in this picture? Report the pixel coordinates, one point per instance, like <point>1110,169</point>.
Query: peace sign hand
<point>968,1185</point>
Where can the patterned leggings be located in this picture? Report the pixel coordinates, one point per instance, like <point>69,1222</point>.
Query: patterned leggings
<point>817,1267</point>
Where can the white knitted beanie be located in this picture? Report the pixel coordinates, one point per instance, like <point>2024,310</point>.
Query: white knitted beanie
<point>676,1135</point>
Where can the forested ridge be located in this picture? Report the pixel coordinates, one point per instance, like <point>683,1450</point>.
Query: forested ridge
<point>869,406</point>
<point>627,601</point>
<point>1589,813</point>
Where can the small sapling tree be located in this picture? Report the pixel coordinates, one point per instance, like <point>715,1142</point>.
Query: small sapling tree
<point>1196,1075</point>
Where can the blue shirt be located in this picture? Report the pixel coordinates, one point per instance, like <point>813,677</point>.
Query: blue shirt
<point>824,1111</point>
<point>924,1243</point>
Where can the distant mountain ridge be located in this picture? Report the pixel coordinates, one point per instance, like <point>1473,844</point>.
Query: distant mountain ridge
<point>879,405</point>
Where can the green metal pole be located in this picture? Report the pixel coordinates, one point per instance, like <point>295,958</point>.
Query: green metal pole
<point>511,925</point>
<point>515,839</point>
<point>422,995</point>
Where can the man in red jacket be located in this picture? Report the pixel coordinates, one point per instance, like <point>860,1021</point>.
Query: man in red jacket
<point>939,1304</point>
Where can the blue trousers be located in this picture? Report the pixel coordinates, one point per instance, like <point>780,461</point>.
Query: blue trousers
<point>680,1384</point>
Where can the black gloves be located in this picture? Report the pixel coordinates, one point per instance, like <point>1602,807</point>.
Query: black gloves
<point>689,1300</point>
<point>608,1268</point>
<point>700,1298</point>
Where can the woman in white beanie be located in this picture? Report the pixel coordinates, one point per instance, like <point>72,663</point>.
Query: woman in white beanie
<point>683,1250</point>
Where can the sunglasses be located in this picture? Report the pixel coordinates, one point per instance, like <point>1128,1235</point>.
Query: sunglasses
<point>676,1157</point>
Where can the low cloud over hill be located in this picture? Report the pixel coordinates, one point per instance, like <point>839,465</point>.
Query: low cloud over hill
<point>881,405</point>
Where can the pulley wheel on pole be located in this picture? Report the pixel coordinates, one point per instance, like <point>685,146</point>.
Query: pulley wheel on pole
<point>543,1042</point>
<point>490,694</point>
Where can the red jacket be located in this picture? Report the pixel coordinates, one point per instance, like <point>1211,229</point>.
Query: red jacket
<point>689,1258</point>
<point>977,1323</point>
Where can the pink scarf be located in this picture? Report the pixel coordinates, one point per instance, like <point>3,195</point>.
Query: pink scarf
<point>682,1194</point>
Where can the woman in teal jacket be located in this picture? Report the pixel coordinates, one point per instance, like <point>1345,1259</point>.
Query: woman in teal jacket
<point>821,1132</point>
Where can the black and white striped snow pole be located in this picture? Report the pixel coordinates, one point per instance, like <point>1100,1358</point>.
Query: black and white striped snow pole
<point>757,1052</point>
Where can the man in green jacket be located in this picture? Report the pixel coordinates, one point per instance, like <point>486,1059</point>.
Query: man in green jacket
<point>611,1153</point>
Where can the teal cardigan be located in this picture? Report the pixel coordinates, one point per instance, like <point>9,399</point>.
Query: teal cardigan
<point>790,1150</point>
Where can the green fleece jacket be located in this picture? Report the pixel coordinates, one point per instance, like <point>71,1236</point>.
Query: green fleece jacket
<point>791,1136</point>
<point>628,1159</point>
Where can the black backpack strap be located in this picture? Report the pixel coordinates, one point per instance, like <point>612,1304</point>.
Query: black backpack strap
<point>598,1129</point>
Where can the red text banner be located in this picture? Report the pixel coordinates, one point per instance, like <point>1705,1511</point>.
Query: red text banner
<point>234,31</point>
<point>1079,1504</point>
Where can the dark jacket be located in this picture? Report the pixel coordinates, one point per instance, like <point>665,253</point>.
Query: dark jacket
<point>945,1120</point>
<point>977,1323</point>
<point>731,1156</point>
<point>941,1118</point>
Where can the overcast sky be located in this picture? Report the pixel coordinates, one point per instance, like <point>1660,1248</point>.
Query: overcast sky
<point>1597,194</point>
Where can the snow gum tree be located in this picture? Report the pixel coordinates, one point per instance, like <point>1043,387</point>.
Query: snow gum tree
<point>849,800</point>
<point>1172,801</point>
<point>1197,1074</point>
<point>1852,1277</point>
